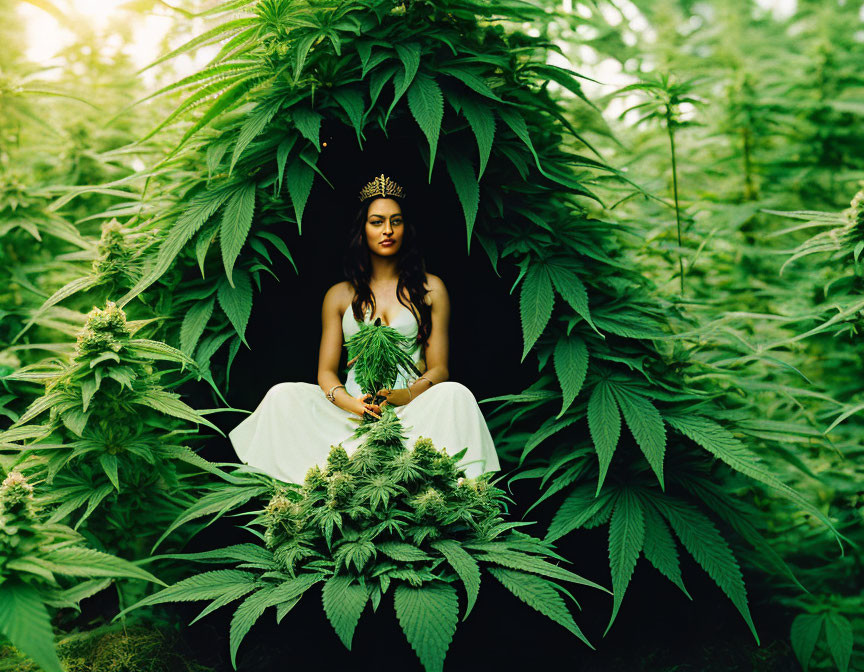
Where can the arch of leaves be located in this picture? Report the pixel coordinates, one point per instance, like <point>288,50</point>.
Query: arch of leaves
<point>470,97</point>
<point>610,421</point>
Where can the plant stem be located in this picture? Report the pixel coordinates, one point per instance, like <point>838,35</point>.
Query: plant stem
<point>675,193</point>
<point>749,191</point>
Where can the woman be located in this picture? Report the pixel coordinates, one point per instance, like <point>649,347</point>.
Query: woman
<point>296,423</point>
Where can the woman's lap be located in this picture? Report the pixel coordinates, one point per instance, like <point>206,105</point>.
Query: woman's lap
<point>295,425</point>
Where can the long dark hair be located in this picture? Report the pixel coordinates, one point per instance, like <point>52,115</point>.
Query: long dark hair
<point>411,266</point>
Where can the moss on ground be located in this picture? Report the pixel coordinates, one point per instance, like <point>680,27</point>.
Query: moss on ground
<point>136,648</point>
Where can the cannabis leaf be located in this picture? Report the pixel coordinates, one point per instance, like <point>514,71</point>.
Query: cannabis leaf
<point>428,617</point>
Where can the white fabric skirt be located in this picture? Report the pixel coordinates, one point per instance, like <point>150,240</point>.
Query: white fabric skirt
<point>295,425</point>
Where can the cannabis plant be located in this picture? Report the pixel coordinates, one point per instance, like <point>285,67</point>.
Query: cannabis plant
<point>387,518</point>
<point>45,565</point>
<point>829,621</point>
<point>111,439</point>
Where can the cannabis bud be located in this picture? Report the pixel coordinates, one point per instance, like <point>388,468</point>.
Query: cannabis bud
<point>341,486</point>
<point>277,505</point>
<point>102,329</point>
<point>314,479</point>
<point>425,452</point>
<point>856,216</point>
<point>112,250</point>
<point>430,503</point>
<point>16,494</point>
<point>337,460</point>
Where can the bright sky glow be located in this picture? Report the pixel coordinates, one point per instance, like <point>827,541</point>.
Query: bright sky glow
<point>782,9</point>
<point>46,36</point>
<point>96,10</point>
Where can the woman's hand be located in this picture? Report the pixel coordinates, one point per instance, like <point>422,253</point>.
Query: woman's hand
<point>363,403</point>
<point>397,397</point>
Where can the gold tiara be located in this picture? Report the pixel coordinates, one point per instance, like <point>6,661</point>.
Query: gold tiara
<point>382,187</point>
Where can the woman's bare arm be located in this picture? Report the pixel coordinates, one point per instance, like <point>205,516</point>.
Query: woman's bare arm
<point>330,350</point>
<point>438,346</point>
<point>437,350</point>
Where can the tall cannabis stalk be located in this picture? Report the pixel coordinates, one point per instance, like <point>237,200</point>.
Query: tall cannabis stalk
<point>666,95</point>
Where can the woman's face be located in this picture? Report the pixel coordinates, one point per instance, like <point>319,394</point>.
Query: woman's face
<point>384,227</point>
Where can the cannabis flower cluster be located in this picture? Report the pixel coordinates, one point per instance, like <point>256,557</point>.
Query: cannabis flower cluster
<point>103,330</point>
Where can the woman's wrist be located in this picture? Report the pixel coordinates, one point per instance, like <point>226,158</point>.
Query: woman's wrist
<point>419,385</point>
<point>344,400</point>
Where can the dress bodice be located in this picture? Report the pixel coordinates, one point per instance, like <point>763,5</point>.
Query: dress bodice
<point>405,323</point>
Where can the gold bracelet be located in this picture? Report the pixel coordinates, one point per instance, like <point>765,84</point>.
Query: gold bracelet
<point>426,379</point>
<point>330,394</point>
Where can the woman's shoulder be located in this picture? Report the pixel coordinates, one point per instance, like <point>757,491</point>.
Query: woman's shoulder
<point>435,287</point>
<point>434,282</point>
<point>339,296</point>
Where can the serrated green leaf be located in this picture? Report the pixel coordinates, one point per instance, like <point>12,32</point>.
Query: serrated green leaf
<point>838,633</point>
<point>282,152</point>
<point>646,425</point>
<point>580,505</point>
<point>108,463</point>
<point>403,552</point>
<point>571,289</point>
<point>170,404</point>
<point>525,562</point>
<point>236,222</point>
<point>308,122</point>
<point>482,122</point>
<point>80,561</point>
<point>428,617</point>
<point>352,102</point>
<point>472,80</point>
<point>604,424</point>
<point>89,387</point>
<point>344,600</point>
<point>203,239</point>
<point>299,177</point>
<point>659,548</point>
<point>702,540</point>
<point>25,622</point>
<point>230,595</point>
<point>217,33</point>
<point>465,566</point>
<point>236,301</point>
<point>516,122</point>
<point>200,209</point>
<point>255,122</point>
<point>280,245</point>
<point>806,629</point>
<point>720,442</point>
<point>571,364</point>
<point>626,535</point>
<point>462,174</point>
<point>245,617</point>
<point>194,323</point>
<point>409,54</point>
<point>538,594</point>
<point>536,301</point>
<point>426,103</point>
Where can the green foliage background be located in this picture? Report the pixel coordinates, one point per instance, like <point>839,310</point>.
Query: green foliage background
<point>686,255</point>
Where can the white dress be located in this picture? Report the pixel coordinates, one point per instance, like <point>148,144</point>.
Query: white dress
<point>295,425</point>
